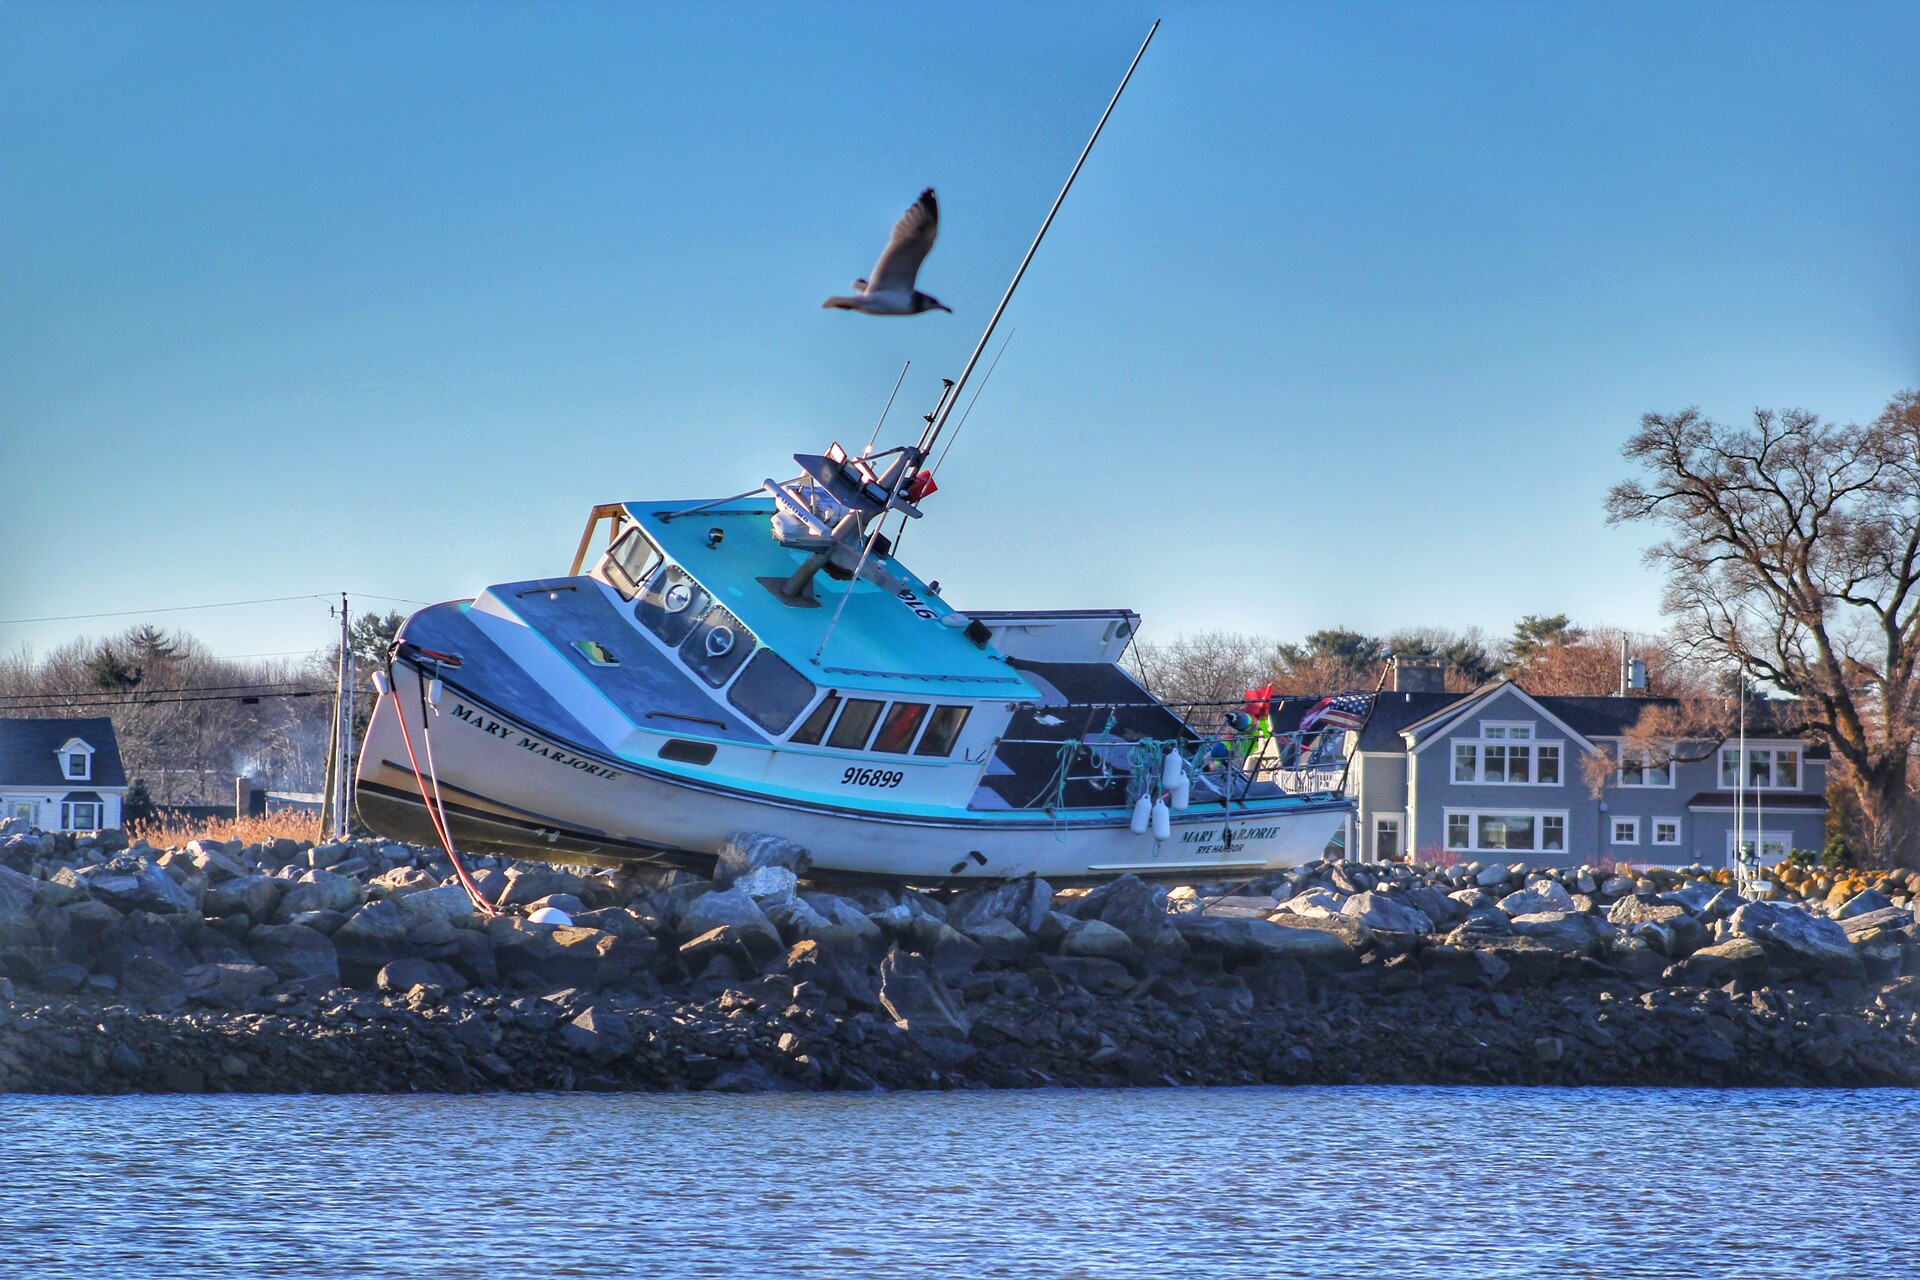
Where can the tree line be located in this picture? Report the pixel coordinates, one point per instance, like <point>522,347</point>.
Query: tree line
<point>187,721</point>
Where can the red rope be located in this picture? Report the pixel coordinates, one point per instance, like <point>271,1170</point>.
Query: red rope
<point>439,825</point>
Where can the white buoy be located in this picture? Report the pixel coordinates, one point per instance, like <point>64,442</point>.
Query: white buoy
<point>380,685</point>
<point>1142,814</point>
<point>1162,820</point>
<point>549,915</point>
<point>1172,769</point>
<point>1180,793</point>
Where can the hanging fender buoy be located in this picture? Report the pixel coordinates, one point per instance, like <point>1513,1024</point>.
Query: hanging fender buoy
<point>1162,821</point>
<point>1180,793</point>
<point>1172,769</point>
<point>380,683</point>
<point>1142,814</point>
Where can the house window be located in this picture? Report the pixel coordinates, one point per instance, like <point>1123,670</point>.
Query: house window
<point>1666,831</point>
<point>1768,769</point>
<point>1477,831</point>
<point>76,765</point>
<point>1626,831</point>
<point>1645,767</point>
<point>1772,845</point>
<point>1503,761</point>
<point>1386,837</point>
<point>79,815</point>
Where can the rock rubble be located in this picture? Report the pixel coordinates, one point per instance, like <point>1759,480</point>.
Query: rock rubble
<point>362,966</point>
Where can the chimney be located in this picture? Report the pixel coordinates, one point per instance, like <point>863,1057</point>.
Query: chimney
<point>1418,675</point>
<point>1633,672</point>
<point>242,797</point>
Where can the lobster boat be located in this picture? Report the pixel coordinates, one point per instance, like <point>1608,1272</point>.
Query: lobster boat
<point>765,664</point>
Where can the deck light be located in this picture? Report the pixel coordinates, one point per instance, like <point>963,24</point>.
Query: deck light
<point>714,535</point>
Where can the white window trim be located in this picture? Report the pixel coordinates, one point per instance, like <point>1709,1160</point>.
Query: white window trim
<point>1400,825</point>
<point>67,808</point>
<point>1621,750</point>
<point>1798,753</point>
<point>1759,840</point>
<point>1472,816</point>
<point>1532,745</point>
<point>1530,726</point>
<point>1653,833</point>
<point>1613,831</point>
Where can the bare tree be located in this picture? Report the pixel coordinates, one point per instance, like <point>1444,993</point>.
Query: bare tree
<point>1793,549</point>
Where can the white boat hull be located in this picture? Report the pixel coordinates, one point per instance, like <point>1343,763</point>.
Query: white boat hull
<point>507,788</point>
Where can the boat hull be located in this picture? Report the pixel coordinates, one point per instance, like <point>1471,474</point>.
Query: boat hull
<point>509,788</point>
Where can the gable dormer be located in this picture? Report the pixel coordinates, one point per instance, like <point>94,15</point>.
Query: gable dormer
<point>76,760</point>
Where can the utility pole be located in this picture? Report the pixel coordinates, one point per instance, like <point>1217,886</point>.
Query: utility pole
<point>336,803</point>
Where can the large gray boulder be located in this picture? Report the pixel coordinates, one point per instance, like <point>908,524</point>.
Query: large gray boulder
<point>734,909</point>
<point>1136,909</point>
<point>227,986</point>
<point>295,952</point>
<point>598,1033</point>
<point>1383,914</point>
<point>1024,903</point>
<point>130,883</point>
<point>1540,896</point>
<point>918,999</point>
<point>1097,938</point>
<point>445,902</point>
<point>1814,944</point>
<point>1736,959</point>
<point>319,890</point>
<point>750,850</point>
<point>1565,930</point>
<point>1240,940</point>
<point>835,973</point>
<point>373,936</point>
<point>1862,903</point>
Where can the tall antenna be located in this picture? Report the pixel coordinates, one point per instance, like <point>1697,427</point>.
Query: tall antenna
<point>932,432</point>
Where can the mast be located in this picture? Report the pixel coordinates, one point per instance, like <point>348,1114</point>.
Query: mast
<point>934,427</point>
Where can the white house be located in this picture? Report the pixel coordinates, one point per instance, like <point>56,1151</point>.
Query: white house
<point>61,775</point>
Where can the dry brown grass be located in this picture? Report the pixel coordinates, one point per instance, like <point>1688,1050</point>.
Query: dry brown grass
<point>252,830</point>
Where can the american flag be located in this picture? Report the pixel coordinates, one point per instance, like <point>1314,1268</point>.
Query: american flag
<point>1341,711</point>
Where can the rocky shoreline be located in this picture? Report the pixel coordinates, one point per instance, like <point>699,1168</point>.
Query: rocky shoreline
<point>362,967</point>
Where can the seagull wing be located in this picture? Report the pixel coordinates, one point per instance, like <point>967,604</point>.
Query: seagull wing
<point>912,241</point>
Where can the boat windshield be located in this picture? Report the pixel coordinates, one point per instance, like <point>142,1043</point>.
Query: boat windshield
<point>628,563</point>
<point>671,604</point>
<point>717,646</point>
<point>770,692</point>
<point>943,730</point>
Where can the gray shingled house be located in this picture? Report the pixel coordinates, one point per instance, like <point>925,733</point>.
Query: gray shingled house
<point>1495,775</point>
<point>61,775</point>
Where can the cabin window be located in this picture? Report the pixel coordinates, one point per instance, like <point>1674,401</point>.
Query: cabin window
<point>629,562</point>
<point>855,724</point>
<point>903,721</point>
<point>671,604</point>
<point>770,692</point>
<point>80,815</point>
<point>717,647</point>
<point>816,726</point>
<point>943,730</point>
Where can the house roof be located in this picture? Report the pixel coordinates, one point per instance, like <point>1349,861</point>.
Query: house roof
<point>29,752</point>
<point>1590,717</point>
<point>1393,712</point>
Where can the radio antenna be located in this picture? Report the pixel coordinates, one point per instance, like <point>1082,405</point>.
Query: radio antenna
<point>889,409</point>
<point>934,428</point>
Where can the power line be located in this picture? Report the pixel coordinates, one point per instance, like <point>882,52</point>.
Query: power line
<point>107,702</point>
<point>134,693</point>
<point>186,608</point>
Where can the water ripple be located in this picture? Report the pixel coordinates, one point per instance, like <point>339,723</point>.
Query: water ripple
<point>1481,1183</point>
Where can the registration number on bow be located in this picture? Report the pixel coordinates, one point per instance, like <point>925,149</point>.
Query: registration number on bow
<point>872,778</point>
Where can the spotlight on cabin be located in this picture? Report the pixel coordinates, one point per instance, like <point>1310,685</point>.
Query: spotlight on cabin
<point>714,535</point>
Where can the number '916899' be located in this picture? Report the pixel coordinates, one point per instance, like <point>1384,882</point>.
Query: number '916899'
<point>856,777</point>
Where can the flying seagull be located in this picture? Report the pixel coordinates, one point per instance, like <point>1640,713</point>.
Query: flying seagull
<point>891,291</point>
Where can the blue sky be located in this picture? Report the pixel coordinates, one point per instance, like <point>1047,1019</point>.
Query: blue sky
<point>1343,325</point>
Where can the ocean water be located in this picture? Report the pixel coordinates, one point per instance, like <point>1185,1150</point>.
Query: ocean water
<point>1337,1182</point>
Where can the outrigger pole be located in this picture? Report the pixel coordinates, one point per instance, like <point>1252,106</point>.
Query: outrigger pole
<point>932,433</point>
